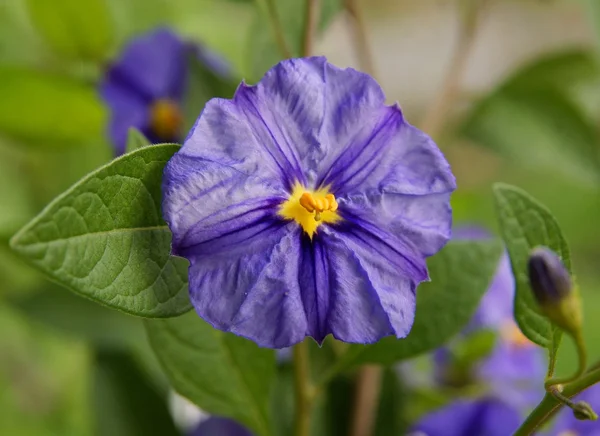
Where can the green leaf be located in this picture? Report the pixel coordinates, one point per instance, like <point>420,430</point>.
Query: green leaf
<point>74,28</point>
<point>105,238</point>
<point>476,346</point>
<point>203,84</point>
<point>526,224</point>
<point>125,401</point>
<point>460,275</point>
<point>135,140</point>
<point>263,51</point>
<point>49,110</point>
<point>535,118</point>
<point>222,373</point>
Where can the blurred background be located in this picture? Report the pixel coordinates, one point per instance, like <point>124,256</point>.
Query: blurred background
<point>512,95</point>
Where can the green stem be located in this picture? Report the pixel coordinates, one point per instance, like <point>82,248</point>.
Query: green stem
<point>550,405</point>
<point>365,57</point>
<point>269,7</point>
<point>303,388</point>
<point>582,355</point>
<point>311,22</point>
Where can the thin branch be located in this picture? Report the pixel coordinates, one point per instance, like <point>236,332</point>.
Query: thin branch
<point>311,23</point>
<point>361,43</point>
<point>366,400</point>
<point>436,116</point>
<point>269,7</point>
<point>303,389</point>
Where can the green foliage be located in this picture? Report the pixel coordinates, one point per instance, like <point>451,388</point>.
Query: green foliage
<point>74,28</point>
<point>203,84</point>
<point>43,380</point>
<point>135,140</point>
<point>105,238</point>
<point>126,402</point>
<point>525,224</point>
<point>533,118</point>
<point>48,110</point>
<point>222,373</point>
<point>263,51</point>
<point>460,275</point>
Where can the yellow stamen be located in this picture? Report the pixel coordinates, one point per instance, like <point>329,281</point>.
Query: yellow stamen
<point>166,119</point>
<point>310,208</point>
<point>512,334</point>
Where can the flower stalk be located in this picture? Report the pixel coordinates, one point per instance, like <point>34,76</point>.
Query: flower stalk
<point>303,389</point>
<point>311,23</point>
<point>269,7</point>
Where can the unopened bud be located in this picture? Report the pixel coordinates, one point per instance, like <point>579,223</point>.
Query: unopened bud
<point>553,289</point>
<point>584,412</point>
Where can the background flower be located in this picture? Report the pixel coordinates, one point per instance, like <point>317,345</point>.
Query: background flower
<point>481,417</point>
<point>266,267</point>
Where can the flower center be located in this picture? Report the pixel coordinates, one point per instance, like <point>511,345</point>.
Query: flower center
<point>310,208</point>
<point>166,119</point>
<point>511,333</point>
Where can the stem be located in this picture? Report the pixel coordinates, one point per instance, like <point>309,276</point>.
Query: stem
<point>436,115</point>
<point>361,43</point>
<point>313,8</point>
<point>302,385</point>
<point>550,405</point>
<point>269,7</point>
<point>366,400</point>
<point>582,357</point>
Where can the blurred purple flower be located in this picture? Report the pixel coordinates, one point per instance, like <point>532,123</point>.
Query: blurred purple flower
<point>145,86</point>
<point>216,426</point>
<point>515,369</point>
<point>480,417</point>
<point>567,425</point>
<point>306,207</point>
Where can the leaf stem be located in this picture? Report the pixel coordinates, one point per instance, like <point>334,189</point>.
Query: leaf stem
<point>550,405</point>
<point>313,7</point>
<point>269,7</point>
<point>435,117</point>
<point>582,357</point>
<point>366,400</point>
<point>303,388</point>
<point>361,43</point>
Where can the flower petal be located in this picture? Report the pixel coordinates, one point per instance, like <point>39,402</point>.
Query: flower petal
<point>355,295</point>
<point>208,204</point>
<point>252,289</point>
<point>126,110</point>
<point>217,426</point>
<point>482,417</point>
<point>153,66</point>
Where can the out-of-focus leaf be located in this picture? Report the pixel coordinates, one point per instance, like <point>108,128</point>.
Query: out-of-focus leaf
<point>204,83</point>
<point>74,28</point>
<point>222,373</point>
<point>534,118</point>
<point>16,202</point>
<point>43,381</point>
<point>476,346</point>
<point>126,402</point>
<point>263,51</point>
<point>390,417</point>
<point>460,275</point>
<point>48,110</point>
<point>526,224</point>
<point>135,140</point>
<point>105,238</point>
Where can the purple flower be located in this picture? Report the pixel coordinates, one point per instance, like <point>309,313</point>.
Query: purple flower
<point>306,207</point>
<point>566,423</point>
<point>481,417</point>
<point>144,88</point>
<point>515,369</point>
<point>216,426</point>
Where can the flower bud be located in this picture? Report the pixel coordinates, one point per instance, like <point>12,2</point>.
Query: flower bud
<point>584,412</point>
<point>553,289</point>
